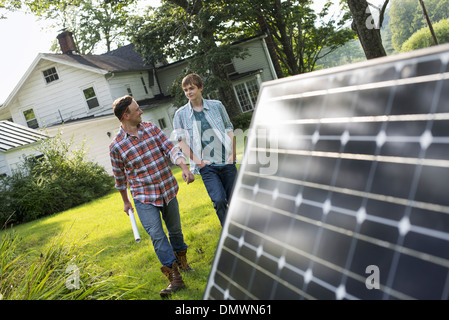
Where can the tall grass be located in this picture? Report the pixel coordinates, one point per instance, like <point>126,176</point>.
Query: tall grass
<point>107,248</point>
<point>61,272</point>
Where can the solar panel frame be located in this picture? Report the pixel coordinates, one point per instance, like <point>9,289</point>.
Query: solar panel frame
<point>318,224</point>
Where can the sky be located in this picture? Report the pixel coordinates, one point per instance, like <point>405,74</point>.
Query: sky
<point>22,38</point>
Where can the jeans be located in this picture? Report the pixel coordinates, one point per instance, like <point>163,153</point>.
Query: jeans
<point>219,182</point>
<point>150,217</point>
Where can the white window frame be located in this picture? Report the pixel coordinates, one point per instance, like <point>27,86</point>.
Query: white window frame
<point>53,81</point>
<point>247,93</point>
<point>86,100</point>
<point>34,119</point>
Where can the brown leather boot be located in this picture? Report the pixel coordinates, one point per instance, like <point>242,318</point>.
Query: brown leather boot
<point>181,256</point>
<point>175,279</point>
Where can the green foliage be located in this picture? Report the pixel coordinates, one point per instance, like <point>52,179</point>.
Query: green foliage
<point>60,272</point>
<point>202,31</point>
<point>242,121</point>
<point>93,23</point>
<point>60,179</point>
<point>351,52</point>
<point>423,38</point>
<point>407,18</point>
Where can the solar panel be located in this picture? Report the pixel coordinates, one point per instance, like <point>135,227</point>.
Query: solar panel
<point>343,188</point>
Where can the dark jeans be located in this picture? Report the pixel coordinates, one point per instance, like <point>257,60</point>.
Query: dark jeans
<point>150,217</point>
<point>219,182</point>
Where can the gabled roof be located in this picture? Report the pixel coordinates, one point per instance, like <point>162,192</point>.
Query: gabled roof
<point>13,135</point>
<point>123,59</point>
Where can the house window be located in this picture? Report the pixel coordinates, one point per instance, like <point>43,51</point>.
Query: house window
<point>162,124</point>
<point>247,93</point>
<point>91,98</point>
<point>253,90</point>
<point>30,119</point>
<point>151,78</point>
<point>128,89</point>
<point>50,75</point>
<point>144,85</point>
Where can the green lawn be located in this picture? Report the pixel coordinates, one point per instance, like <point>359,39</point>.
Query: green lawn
<point>106,232</point>
<point>101,231</point>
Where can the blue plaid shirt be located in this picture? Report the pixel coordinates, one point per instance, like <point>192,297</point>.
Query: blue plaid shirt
<point>186,128</point>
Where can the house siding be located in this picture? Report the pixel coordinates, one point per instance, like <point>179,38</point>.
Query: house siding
<point>97,134</point>
<point>94,134</point>
<point>50,105</point>
<point>118,83</point>
<point>4,167</point>
<point>11,160</point>
<point>168,74</point>
<point>258,59</point>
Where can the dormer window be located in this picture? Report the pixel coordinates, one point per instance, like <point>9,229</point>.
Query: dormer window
<point>50,75</point>
<point>229,67</point>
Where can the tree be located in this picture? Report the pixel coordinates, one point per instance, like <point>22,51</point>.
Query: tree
<point>205,30</point>
<point>198,30</point>
<point>422,38</point>
<point>407,18</point>
<point>300,35</point>
<point>367,31</point>
<point>92,22</point>
<point>9,5</point>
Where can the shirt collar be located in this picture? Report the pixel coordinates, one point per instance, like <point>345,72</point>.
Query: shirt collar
<point>125,134</point>
<point>205,104</point>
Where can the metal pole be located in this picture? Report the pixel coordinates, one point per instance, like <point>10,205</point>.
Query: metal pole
<point>428,22</point>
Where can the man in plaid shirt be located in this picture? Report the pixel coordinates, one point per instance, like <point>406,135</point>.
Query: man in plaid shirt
<point>139,155</point>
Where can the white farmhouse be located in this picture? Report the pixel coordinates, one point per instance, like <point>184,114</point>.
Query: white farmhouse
<point>73,93</point>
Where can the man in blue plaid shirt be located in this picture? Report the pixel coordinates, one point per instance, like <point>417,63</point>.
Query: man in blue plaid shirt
<point>206,134</point>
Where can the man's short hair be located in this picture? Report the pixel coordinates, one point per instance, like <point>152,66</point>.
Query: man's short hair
<point>193,79</point>
<point>120,106</point>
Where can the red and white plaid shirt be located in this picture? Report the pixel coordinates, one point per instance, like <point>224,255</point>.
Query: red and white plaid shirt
<point>142,163</point>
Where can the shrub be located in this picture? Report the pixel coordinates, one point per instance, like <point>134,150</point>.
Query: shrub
<point>242,121</point>
<point>59,180</point>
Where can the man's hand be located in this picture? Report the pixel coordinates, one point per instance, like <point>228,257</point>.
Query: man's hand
<point>231,159</point>
<point>127,206</point>
<point>188,176</point>
<point>203,163</point>
<point>126,203</point>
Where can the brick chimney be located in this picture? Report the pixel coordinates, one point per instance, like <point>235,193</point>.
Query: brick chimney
<point>67,43</point>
